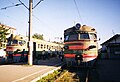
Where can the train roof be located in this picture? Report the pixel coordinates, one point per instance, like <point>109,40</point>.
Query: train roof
<point>83,28</point>
<point>19,37</point>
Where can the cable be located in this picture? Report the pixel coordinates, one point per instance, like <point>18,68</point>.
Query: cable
<point>78,11</point>
<point>37,4</point>
<point>11,6</point>
<point>23,4</point>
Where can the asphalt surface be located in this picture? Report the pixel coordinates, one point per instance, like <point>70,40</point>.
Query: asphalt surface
<point>25,73</point>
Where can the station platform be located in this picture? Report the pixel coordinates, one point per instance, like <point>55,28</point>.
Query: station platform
<point>25,73</point>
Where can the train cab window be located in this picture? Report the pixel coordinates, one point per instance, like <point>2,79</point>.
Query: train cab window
<point>84,36</point>
<point>12,42</point>
<point>66,37</point>
<point>71,37</point>
<point>22,42</point>
<point>15,42</point>
<point>93,36</point>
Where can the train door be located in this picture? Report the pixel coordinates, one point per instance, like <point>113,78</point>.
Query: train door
<point>34,51</point>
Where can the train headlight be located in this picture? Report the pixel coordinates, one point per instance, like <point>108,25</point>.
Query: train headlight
<point>77,26</point>
<point>66,47</point>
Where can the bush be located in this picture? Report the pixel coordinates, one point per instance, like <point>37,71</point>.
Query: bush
<point>52,77</point>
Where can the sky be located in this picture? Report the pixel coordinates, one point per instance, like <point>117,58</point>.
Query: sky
<point>52,17</point>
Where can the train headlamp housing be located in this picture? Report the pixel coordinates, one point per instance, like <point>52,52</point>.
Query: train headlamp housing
<point>66,47</point>
<point>91,47</point>
<point>77,26</point>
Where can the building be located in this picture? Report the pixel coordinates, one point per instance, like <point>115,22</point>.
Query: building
<point>111,47</point>
<point>10,31</point>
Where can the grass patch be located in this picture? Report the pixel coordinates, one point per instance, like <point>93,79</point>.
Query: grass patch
<point>53,76</point>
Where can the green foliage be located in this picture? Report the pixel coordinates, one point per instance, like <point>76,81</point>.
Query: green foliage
<point>51,77</point>
<point>3,33</point>
<point>38,36</point>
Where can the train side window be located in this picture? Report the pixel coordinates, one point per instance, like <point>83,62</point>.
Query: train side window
<point>38,45</point>
<point>93,36</point>
<point>44,46</point>
<point>41,46</point>
<point>52,47</point>
<point>47,46</point>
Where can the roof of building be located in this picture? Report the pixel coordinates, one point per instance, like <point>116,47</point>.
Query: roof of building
<point>112,38</point>
<point>8,27</point>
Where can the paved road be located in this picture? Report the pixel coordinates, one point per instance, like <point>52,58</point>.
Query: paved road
<point>25,73</point>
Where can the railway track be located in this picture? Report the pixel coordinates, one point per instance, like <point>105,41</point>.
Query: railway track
<point>104,71</point>
<point>73,74</point>
<point>79,74</point>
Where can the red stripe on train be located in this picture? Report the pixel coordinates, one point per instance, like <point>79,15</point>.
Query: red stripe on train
<point>84,56</point>
<point>89,55</point>
<point>17,54</point>
<point>75,47</point>
<point>69,55</point>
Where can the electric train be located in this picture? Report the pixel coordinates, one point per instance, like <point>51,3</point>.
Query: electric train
<point>80,45</point>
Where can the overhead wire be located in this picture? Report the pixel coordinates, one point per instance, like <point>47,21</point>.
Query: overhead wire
<point>33,14</point>
<point>78,11</point>
<point>21,3</point>
<point>37,4</point>
<point>13,5</point>
<point>10,6</point>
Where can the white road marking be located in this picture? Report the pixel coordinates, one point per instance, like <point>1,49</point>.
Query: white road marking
<point>33,74</point>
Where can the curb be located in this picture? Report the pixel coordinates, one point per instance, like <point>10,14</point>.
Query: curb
<point>38,78</point>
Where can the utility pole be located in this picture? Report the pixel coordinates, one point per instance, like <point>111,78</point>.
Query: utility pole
<point>30,56</point>
<point>30,46</point>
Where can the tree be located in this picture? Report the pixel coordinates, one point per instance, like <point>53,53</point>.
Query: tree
<point>38,36</point>
<point>3,33</point>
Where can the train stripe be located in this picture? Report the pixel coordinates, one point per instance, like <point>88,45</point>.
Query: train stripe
<point>84,56</point>
<point>69,55</point>
<point>75,47</point>
<point>17,54</point>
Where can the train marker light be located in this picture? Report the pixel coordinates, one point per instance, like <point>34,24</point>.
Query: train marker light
<point>66,47</point>
<point>77,26</point>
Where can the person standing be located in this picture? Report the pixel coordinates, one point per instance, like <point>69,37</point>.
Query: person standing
<point>49,52</point>
<point>22,56</point>
<point>43,54</point>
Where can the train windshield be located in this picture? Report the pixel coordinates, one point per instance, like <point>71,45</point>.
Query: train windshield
<point>71,37</point>
<point>84,36</point>
<point>80,36</point>
<point>16,42</point>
